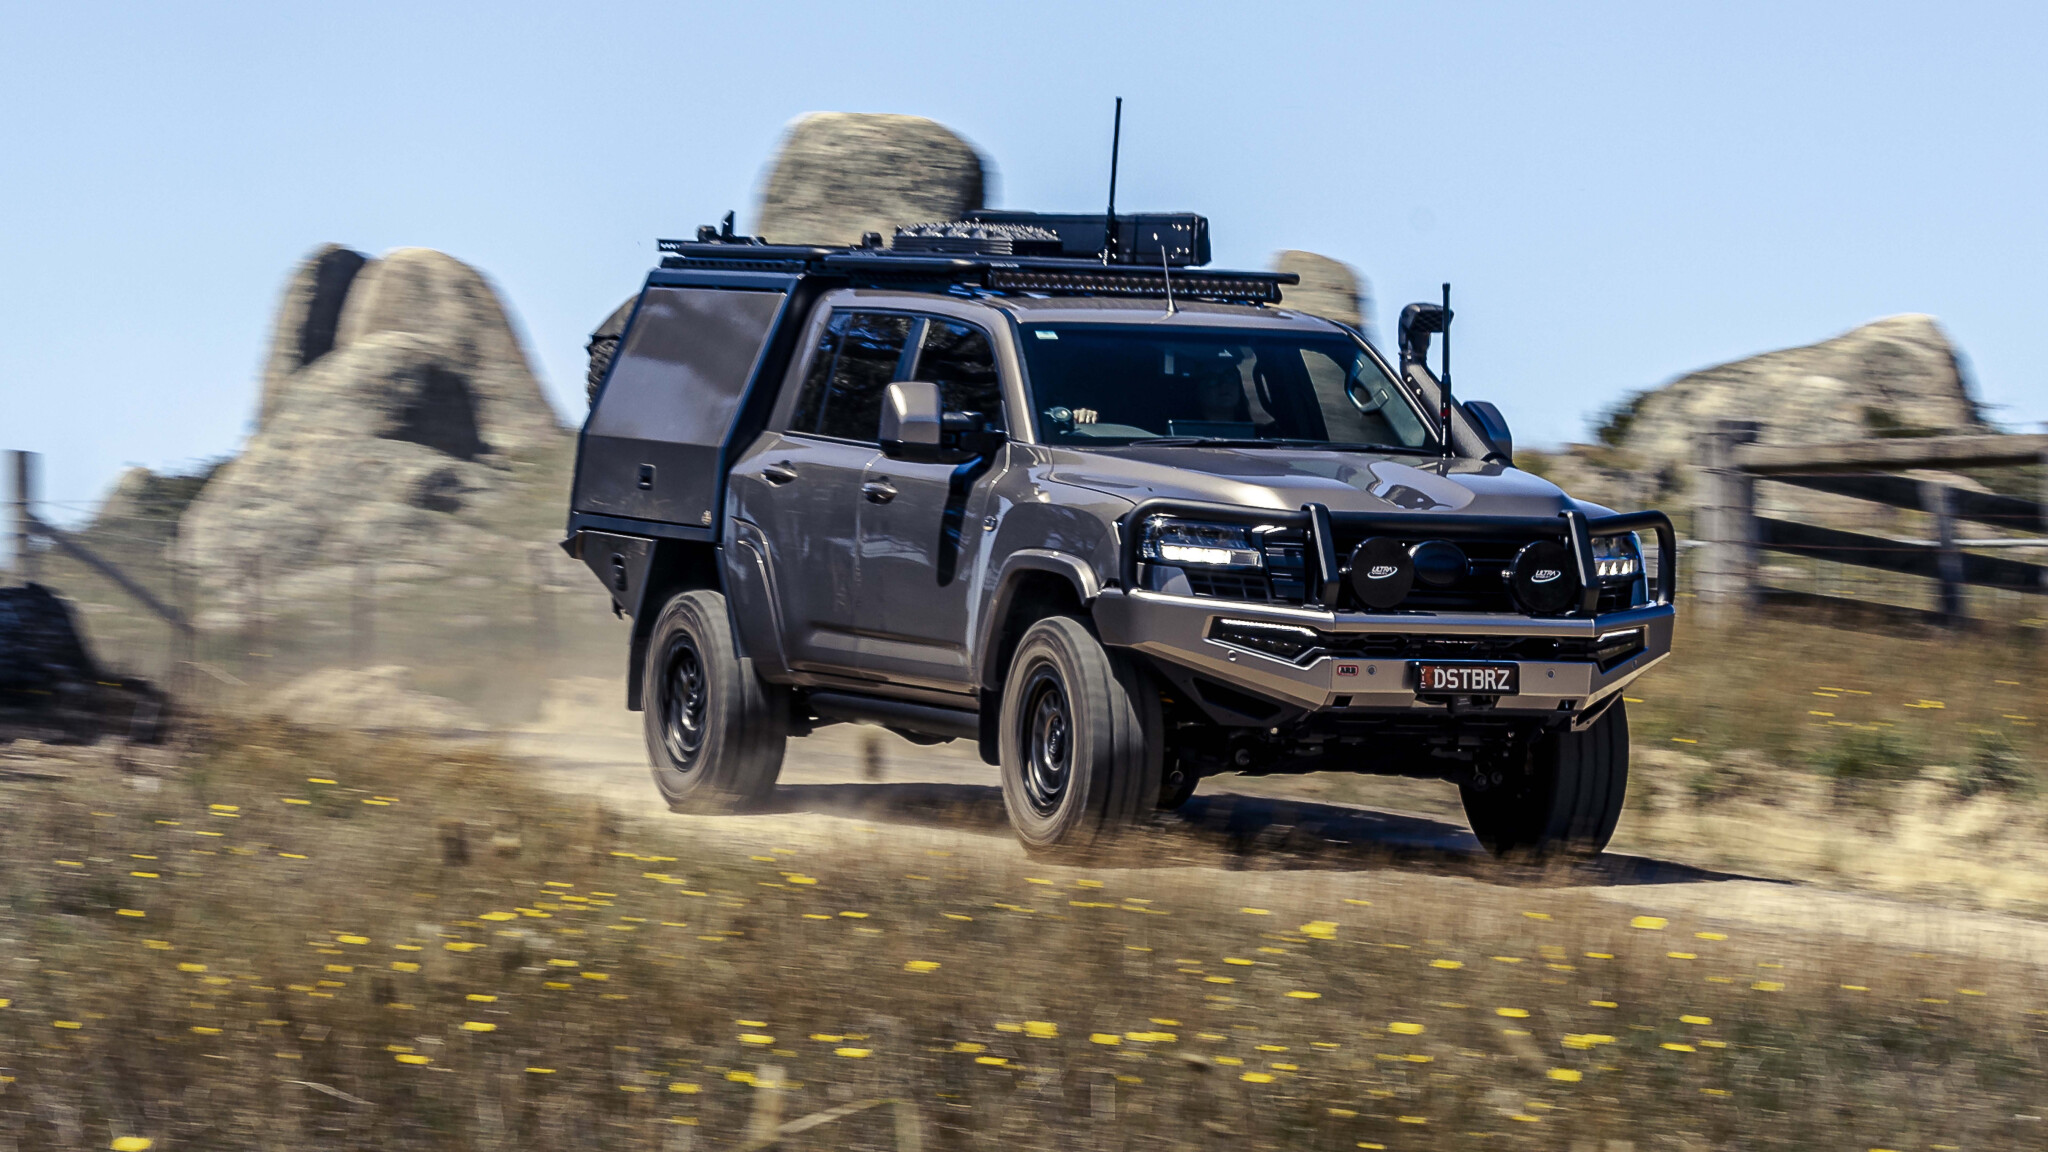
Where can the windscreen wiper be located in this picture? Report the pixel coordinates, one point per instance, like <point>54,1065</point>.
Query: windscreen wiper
<point>1320,445</point>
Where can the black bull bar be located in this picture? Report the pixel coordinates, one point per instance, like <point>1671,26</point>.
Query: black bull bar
<point>1574,528</point>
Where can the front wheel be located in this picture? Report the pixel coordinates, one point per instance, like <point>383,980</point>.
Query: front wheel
<point>1564,798</point>
<point>1080,731</point>
<point>715,733</point>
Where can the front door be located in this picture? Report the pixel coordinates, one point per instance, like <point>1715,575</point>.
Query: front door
<point>800,488</point>
<point>920,526</point>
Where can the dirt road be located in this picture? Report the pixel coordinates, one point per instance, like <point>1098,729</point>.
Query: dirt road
<point>857,790</point>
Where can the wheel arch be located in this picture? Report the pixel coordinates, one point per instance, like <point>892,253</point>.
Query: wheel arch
<point>677,566</point>
<point>1034,583</point>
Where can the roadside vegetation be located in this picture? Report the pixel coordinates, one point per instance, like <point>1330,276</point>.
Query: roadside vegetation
<point>284,939</point>
<point>1912,765</point>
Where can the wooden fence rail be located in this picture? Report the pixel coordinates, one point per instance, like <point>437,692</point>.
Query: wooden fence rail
<point>1727,571</point>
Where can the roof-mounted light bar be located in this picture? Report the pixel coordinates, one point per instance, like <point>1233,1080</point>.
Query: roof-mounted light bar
<point>1253,287</point>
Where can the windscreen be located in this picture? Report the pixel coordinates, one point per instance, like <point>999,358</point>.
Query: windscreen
<point>1101,384</point>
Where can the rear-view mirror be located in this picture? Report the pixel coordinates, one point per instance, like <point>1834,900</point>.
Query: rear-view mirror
<point>913,422</point>
<point>916,427</point>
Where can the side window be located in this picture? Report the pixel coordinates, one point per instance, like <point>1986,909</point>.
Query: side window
<point>957,357</point>
<point>810,401</point>
<point>870,346</point>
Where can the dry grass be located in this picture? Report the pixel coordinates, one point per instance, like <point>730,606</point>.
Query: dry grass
<point>378,944</point>
<point>1853,704</point>
<point>1909,765</point>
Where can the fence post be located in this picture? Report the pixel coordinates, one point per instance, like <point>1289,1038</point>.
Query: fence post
<point>1725,576</point>
<point>2042,498</point>
<point>184,641</point>
<point>1937,500</point>
<point>23,507</point>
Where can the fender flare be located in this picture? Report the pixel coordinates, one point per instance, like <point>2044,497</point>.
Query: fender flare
<point>1087,586</point>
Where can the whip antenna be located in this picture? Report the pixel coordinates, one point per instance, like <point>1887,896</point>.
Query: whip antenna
<point>1445,391</point>
<point>1116,140</point>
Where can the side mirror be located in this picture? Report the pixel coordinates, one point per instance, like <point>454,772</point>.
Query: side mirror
<point>916,427</point>
<point>913,424</point>
<point>1493,425</point>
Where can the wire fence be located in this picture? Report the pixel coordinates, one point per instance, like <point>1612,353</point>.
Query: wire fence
<point>500,618</point>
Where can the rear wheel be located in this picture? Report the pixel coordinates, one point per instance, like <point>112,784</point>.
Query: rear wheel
<point>1565,798</point>
<point>715,733</point>
<point>1080,735</point>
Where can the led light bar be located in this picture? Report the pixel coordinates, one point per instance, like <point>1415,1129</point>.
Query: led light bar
<point>1110,281</point>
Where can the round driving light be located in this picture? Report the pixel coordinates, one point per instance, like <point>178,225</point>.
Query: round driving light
<point>1541,578</point>
<point>1439,562</point>
<point>1381,572</point>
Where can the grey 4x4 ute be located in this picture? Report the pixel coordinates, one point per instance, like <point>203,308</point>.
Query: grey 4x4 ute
<point>1044,483</point>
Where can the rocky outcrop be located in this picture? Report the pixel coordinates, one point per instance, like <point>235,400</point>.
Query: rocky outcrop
<point>309,317</point>
<point>1892,377</point>
<point>1329,288</point>
<point>399,417</point>
<point>841,174</point>
<point>1898,376</point>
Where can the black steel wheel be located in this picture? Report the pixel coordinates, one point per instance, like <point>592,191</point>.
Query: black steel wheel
<point>1563,798</point>
<point>715,733</point>
<point>1048,742</point>
<point>684,695</point>
<point>1080,740</point>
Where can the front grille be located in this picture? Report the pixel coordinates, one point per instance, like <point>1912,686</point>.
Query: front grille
<point>1483,587</point>
<point>1230,585</point>
<point>1395,646</point>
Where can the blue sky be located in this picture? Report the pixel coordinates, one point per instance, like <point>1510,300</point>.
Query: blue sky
<point>1619,193</point>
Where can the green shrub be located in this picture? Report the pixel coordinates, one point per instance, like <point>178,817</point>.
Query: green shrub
<point>1993,765</point>
<point>1864,754</point>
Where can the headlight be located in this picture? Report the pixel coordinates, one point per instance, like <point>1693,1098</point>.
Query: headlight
<point>1616,559</point>
<point>1170,541</point>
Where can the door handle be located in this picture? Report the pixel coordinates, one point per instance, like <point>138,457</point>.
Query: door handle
<point>779,473</point>
<point>878,491</point>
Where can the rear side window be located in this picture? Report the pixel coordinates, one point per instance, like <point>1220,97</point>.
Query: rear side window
<point>685,365</point>
<point>856,359</point>
<point>958,358</point>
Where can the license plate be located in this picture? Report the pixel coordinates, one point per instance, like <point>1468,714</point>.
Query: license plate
<point>1468,679</point>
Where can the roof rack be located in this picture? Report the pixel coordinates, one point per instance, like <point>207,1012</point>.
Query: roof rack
<point>1001,253</point>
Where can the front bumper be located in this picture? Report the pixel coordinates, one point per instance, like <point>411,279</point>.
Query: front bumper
<point>1177,629</point>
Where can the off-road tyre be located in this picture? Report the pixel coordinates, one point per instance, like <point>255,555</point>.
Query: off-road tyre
<point>715,732</point>
<point>1563,800</point>
<point>1081,741</point>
